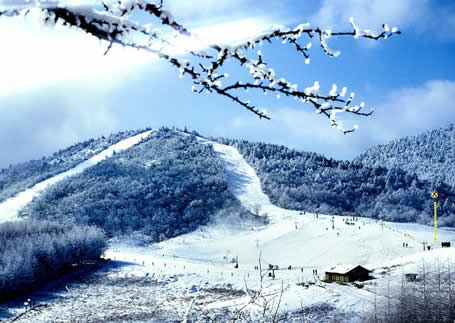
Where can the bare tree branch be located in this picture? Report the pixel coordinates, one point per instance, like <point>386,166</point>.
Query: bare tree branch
<point>115,25</point>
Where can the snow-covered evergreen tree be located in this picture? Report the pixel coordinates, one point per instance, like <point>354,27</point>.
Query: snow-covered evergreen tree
<point>430,155</point>
<point>167,185</point>
<point>311,182</point>
<point>33,252</point>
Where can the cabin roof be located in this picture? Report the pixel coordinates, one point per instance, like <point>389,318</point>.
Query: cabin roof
<point>343,269</point>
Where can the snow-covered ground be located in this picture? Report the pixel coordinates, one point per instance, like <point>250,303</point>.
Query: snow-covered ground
<point>9,209</point>
<point>194,273</point>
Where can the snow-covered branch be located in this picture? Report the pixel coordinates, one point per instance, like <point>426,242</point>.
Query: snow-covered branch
<point>112,21</point>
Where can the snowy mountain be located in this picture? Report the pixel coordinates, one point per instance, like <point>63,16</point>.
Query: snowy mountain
<point>165,185</point>
<point>310,182</point>
<point>221,271</point>
<point>431,155</point>
<point>170,183</point>
<point>10,208</point>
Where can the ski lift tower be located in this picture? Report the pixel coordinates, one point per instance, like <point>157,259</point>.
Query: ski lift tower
<point>434,195</point>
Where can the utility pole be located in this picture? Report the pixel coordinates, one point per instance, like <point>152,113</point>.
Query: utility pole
<point>434,195</point>
<point>424,243</point>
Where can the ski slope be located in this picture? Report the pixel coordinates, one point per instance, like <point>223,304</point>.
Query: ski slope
<point>244,183</point>
<point>184,269</point>
<point>10,208</point>
<point>310,239</point>
<point>304,242</point>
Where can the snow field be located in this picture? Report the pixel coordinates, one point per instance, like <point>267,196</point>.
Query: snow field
<point>201,257</point>
<point>302,241</point>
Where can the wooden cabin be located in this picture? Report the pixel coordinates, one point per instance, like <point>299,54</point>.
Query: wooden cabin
<point>411,277</point>
<point>346,273</point>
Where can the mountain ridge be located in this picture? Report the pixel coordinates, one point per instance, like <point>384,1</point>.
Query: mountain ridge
<point>21,176</point>
<point>311,182</point>
<point>291,179</point>
<point>430,154</point>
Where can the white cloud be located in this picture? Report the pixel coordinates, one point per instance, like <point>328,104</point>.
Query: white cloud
<point>197,12</point>
<point>229,33</point>
<point>56,82</point>
<point>49,119</point>
<point>55,86</point>
<point>410,111</point>
<point>34,56</point>
<point>223,21</point>
<point>44,3</point>
<point>203,7</point>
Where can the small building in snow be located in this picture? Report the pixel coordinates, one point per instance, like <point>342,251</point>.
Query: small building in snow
<point>346,273</point>
<point>411,277</point>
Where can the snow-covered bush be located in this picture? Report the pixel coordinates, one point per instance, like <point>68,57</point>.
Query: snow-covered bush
<point>33,252</point>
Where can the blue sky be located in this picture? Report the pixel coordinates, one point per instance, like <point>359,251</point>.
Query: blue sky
<point>57,88</point>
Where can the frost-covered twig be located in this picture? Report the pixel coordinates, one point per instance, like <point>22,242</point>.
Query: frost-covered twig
<point>29,307</point>
<point>115,25</point>
<point>265,301</point>
<point>189,309</point>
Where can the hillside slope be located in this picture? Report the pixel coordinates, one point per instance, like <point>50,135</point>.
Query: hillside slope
<point>430,155</point>
<point>10,208</point>
<point>308,181</point>
<point>291,179</point>
<point>19,177</point>
<point>166,185</point>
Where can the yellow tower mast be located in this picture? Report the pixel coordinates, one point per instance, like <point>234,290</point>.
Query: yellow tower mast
<point>434,195</point>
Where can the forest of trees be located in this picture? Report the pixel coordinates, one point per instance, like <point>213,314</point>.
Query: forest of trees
<point>17,178</point>
<point>311,182</point>
<point>170,184</point>
<point>167,185</point>
<point>430,298</point>
<point>33,252</point>
<point>430,155</point>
